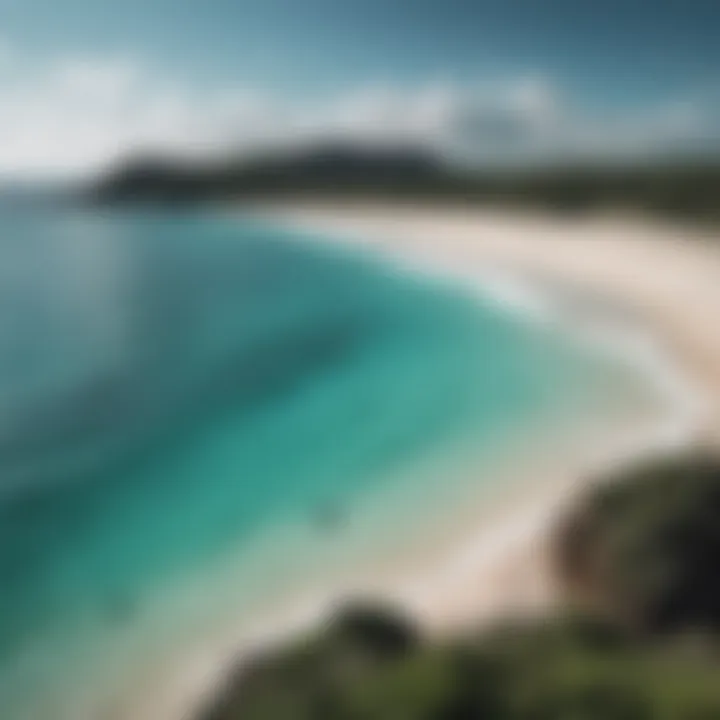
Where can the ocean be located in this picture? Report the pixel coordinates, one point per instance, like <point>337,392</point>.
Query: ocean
<point>203,416</point>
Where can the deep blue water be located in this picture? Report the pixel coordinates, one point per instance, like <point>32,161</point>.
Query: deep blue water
<point>172,385</point>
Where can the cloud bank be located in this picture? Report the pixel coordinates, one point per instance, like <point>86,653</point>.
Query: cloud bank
<point>76,115</point>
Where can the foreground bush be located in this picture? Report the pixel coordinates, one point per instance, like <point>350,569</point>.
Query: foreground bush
<point>554,670</point>
<point>641,551</point>
<point>644,547</point>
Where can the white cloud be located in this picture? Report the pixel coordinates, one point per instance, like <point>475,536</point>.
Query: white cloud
<point>391,114</point>
<point>76,115</point>
<point>536,99</point>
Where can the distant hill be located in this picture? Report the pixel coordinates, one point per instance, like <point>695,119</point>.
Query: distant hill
<point>319,169</point>
<point>690,189</point>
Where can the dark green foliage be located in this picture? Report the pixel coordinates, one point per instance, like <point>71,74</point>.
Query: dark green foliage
<point>688,190</point>
<point>373,629</point>
<point>644,547</point>
<point>563,669</point>
<point>312,678</point>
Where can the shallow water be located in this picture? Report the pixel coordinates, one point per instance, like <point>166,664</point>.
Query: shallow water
<point>176,389</point>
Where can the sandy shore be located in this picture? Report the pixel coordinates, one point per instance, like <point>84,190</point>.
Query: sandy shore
<point>662,278</point>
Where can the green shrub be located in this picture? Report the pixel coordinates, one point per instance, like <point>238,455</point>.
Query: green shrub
<point>644,547</point>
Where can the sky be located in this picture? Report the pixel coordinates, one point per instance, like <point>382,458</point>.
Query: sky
<point>84,82</point>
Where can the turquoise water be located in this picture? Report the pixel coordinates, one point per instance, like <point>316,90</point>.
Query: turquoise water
<point>174,387</point>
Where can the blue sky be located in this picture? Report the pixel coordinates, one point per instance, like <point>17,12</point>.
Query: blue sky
<point>613,59</point>
<point>616,47</point>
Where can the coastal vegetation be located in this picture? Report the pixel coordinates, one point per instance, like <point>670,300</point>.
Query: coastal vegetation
<point>637,559</point>
<point>644,548</point>
<point>687,189</point>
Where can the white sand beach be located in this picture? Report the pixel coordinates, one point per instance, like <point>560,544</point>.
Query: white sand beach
<point>662,278</point>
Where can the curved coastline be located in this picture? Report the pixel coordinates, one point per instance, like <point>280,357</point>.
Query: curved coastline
<point>687,416</point>
<point>443,594</point>
<point>586,317</point>
<point>472,575</point>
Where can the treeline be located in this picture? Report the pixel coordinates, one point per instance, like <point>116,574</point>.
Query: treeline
<point>690,189</point>
<point>638,561</point>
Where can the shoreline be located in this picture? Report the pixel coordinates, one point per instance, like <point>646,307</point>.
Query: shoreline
<point>493,560</point>
<point>667,287</point>
<point>477,246</point>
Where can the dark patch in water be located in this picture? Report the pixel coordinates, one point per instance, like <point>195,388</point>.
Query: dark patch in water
<point>119,609</point>
<point>330,517</point>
